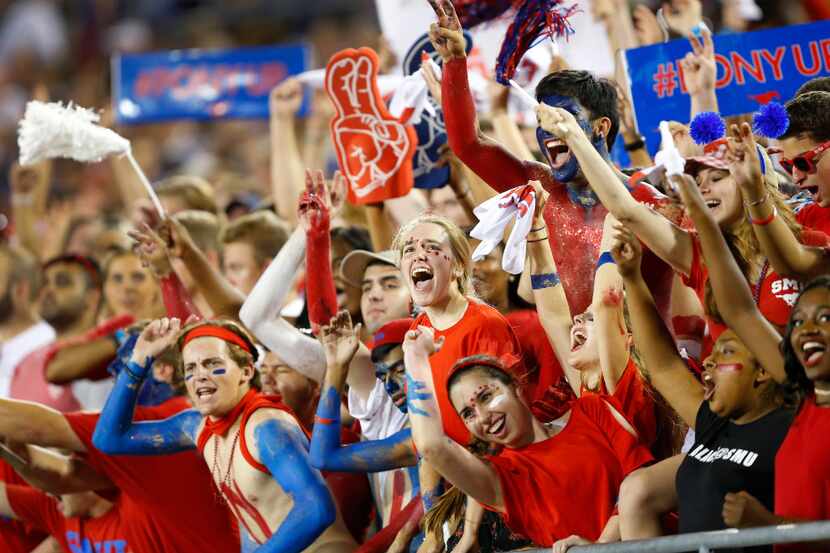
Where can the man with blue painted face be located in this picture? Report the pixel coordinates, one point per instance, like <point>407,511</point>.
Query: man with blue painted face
<point>573,213</point>
<point>255,447</point>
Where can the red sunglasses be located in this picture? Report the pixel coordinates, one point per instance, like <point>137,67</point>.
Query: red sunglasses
<point>805,162</point>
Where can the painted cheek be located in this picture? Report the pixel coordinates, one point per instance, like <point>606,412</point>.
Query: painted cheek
<point>729,367</point>
<point>218,372</point>
<point>188,376</point>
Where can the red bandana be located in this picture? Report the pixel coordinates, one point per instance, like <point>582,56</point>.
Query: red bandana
<point>249,403</point>
<point>221,425</point>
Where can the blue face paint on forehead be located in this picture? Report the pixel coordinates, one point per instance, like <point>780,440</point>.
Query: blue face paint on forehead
<point>568,103</point>
<point>570,170</point>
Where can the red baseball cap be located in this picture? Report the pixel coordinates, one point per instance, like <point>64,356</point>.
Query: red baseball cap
<point>392,332</point>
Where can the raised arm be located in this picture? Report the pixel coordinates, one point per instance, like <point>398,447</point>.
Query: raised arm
<point>321,296</point>
<point>786,254</point>
<point>340,342</point>
<point>668,241</point>
<point>155,254</point>
<point>461,468</point>
<point>221,296</point>
<point>282,448</point>
<point>28,185</point>
<point>607,306</point>
<point>498,167</point>
<point>261,312</point>
<point>699,72</point>
<point>286,161</point>
<point>732,294</point>
<point>548,293</point>
<point>668,373</point>
<point>116,433</point>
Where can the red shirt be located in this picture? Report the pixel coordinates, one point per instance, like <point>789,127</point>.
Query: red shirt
<point>163,489</point>
<point>815,217</point>
<point>17,536</point>
<point>568,484</point>
<point>482,330</point>
<point>29,382</point>
<point>775,298</point>
<point>635,402</point>
<point>802,480</point>
<point>102,534</point>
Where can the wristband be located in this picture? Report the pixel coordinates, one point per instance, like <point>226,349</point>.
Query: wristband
<point>136,372</point>
<point>765,221</point>
<point>605,257</point>
<point>545,280</point>
<point>638,144</point>
<point>323,420</point>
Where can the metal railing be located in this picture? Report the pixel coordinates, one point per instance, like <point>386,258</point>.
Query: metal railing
<point>705,541</point>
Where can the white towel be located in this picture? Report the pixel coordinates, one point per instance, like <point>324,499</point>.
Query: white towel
<point>517,204</point>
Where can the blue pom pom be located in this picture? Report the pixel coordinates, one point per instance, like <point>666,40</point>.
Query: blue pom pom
<point>707,127</point>
<point>771,120</point>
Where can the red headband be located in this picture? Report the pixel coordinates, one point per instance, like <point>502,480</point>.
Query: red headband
<point>508,363</point>
<point>217,332</point>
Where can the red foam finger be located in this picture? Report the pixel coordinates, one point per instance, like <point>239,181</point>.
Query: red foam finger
<point>374,150</point>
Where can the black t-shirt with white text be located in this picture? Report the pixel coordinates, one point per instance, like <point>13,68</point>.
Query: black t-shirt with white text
<point>728,457</point>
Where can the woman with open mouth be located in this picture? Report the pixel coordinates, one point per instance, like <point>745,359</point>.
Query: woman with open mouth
<point>435,260</point>
<point>738,411</point>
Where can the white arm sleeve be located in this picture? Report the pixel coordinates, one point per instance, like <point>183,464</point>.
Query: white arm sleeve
<point>261,312</point>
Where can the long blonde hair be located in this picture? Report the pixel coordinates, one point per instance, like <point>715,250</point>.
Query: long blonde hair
<point>459,244</point>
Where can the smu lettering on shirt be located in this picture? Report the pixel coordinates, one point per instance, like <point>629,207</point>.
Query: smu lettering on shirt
<point>727,458</point>
<point>77,544</point>
<point>786,289</point>
<point>739,456</point>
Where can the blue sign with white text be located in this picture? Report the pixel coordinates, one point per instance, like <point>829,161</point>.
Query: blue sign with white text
<point>202,84</point>
<point>753,69</point>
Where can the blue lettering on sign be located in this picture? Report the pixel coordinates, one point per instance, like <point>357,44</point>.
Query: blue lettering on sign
<point>79,545</point>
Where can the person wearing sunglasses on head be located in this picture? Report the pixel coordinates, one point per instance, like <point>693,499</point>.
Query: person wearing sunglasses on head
<point>751,168</point>
<point>804,155</point>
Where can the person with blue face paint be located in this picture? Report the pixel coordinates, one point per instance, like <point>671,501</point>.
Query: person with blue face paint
<point>381,451</point>
<point>254,445</point>
<point>574,214</point>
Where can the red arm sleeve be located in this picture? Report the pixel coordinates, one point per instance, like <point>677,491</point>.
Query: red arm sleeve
<point>495,165</point>
<point>321,296</point>
<point>177,300</point>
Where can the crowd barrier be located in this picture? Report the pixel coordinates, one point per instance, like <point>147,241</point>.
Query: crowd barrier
<point>709,541</point>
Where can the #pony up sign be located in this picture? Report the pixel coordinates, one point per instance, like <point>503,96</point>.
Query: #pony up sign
<point>202,84</point>
<point>754,68</point>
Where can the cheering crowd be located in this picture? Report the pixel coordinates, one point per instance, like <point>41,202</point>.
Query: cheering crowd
<point>277,369</point>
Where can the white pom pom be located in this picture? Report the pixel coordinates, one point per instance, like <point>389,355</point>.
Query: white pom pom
<point>50,130</point>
